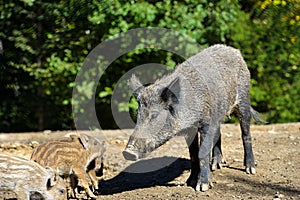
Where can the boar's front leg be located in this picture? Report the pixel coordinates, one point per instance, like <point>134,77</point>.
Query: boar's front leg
<point>209,135</point>
<point>193,142</point>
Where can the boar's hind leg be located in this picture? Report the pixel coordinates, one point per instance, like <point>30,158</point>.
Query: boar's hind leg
<point>217,158</point>
<point>245,117</point>
<point>193,142</point>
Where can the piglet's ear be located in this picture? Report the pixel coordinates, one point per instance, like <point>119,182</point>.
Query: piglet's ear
<point>84,140</point>
<point>170,94</point>
<point>135,84</point>
<point>52,178</point>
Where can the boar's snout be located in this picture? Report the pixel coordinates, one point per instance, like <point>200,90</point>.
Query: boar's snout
<point>130,155</point>
<point>138,147</point>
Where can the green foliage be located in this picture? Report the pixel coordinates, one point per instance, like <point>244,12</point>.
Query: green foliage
<point>45,44</point>
<point>274,62</point>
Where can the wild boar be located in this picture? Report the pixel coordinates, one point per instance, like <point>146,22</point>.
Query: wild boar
<point>196,96</point>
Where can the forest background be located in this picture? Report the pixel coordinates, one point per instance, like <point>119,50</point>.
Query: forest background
<point>44,43</point>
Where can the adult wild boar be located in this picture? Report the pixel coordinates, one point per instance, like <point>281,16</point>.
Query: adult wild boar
<point>195,97</point>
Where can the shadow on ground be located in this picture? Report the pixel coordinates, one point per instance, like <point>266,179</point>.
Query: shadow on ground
<point>263,187</point>
<point>126,181</point>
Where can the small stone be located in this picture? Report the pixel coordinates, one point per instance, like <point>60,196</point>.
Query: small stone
<point>237,160</point>
<point>292,137</point>
<point>47,131</point>
<point>230,185</point>
<point>278,196</point>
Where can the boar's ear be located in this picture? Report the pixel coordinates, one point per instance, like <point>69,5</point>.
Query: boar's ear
<point>135,84</point>
<point>170,94</point>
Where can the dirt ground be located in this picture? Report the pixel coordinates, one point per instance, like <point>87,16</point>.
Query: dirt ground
<point>163,174</point>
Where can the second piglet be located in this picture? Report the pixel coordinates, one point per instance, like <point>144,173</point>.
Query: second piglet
<point>76,156</point>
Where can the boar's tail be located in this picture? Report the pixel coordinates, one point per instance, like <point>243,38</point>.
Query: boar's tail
<point>255,116</point>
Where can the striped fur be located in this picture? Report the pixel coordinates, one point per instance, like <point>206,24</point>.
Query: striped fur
<point>76,155</point>
<point>27,179</point>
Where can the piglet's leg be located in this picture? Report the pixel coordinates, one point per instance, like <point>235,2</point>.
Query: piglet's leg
<point>70,183</point>
<point>94,178</point>
<point>84,181</point>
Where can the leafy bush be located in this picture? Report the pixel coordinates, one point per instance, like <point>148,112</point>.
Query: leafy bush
<point>44,45</point>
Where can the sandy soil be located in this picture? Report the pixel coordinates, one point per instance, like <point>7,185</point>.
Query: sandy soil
<point>163,174</point>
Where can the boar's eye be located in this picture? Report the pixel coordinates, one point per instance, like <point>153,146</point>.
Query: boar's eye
<point>154,115</point>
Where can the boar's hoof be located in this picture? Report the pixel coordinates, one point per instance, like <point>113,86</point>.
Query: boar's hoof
<point>202,187</point>
<point>250,170</point>
<point>217,163</point>
<point>130,155</point>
